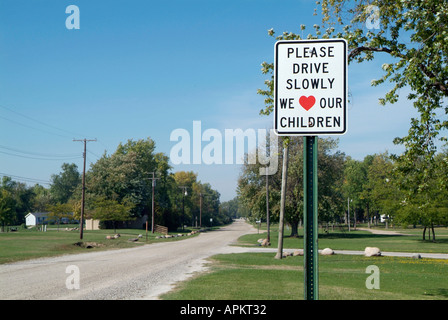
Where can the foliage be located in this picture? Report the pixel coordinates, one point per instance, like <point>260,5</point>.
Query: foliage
<point>7,205</point>
<point>59,211</point>
<point>64,184</point>
<point>111,210</point>
<point>412,39</point>
<point>252,186</point>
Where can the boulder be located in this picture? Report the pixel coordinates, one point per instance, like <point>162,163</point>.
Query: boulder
<point>327,252</point>
<point>265,243</point>
<point>416,256</point>
<point>287,254</point>
<point>298,252</point>
<point>372,252</point>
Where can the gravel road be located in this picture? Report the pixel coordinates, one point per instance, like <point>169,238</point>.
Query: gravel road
<point>143,272</point>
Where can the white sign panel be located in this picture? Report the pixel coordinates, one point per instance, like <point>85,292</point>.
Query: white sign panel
<point>310,87</point>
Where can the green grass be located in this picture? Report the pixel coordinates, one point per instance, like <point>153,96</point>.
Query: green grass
<point>358,240</point>
<point>248,275</point>
<point>28,244</point>
<point>258,276</point>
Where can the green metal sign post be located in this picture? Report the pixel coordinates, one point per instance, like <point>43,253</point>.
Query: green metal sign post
<point>310,251</point>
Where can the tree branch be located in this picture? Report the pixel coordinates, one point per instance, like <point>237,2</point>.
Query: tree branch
<point>440,85</point>
<point>358,50</point>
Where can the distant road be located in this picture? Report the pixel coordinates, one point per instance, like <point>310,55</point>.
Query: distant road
<point>143,272</point>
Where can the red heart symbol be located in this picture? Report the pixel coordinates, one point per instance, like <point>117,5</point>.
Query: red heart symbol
<point>307,103</point>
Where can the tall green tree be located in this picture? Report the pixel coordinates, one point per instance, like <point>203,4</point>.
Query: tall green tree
<point>424,200</point>
<point>41,198</point>
<point>63,185</point>
<point>7,208</point>
<point>251,186</point>
<point>123,176</point>
<point>23,198</point>
<point>355,177</point>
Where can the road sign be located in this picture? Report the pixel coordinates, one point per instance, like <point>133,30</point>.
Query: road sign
<point>310,87</point>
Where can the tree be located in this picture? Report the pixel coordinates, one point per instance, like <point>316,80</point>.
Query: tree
<point>7,208</point>
<point>230,208</point>
<point>112,210</point>
<point>384,193</point>
<point>424,200</point>
<point>122,177</point>
<point>41,198</point>
<point>251,186</point>
<point>59,211</point>
<point>63,185</point>
<point>413,36</point>
<point>355,177</point>
<point>22,197</point>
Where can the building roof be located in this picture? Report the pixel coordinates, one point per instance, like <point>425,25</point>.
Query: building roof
<point>37,214</point>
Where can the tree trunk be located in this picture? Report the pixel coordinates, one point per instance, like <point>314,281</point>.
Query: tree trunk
<point>294,226</point>
<point>282,203</point>
<point>433,233</point>
<point>424,232</point>
<point>368,217</point>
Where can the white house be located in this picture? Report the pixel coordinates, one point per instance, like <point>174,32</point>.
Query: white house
<point>35,218</point>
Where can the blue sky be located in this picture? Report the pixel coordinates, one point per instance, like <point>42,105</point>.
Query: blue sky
<point>138,69</point>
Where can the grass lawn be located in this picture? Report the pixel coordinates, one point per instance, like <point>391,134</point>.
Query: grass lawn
<point>29,244</point>
<point>358,240</point>
<point>248,275</point>
<point>258,276</point>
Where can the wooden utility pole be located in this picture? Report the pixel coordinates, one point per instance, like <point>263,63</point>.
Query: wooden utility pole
<point>200,209</point>
<point>184,193</point>
<point>152,202</point>
<point>81,220</point>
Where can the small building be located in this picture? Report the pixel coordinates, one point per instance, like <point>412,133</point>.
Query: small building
<point>92,224</point>
<point>35,218</point>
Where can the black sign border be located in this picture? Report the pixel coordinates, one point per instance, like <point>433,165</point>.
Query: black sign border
<point>309,133</point>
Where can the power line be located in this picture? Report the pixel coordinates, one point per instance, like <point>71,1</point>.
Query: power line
<point>37,121</point>
<point>30,127</point>
<point>14,177</point>
<point>36,158</point>
<point>51,155</point>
